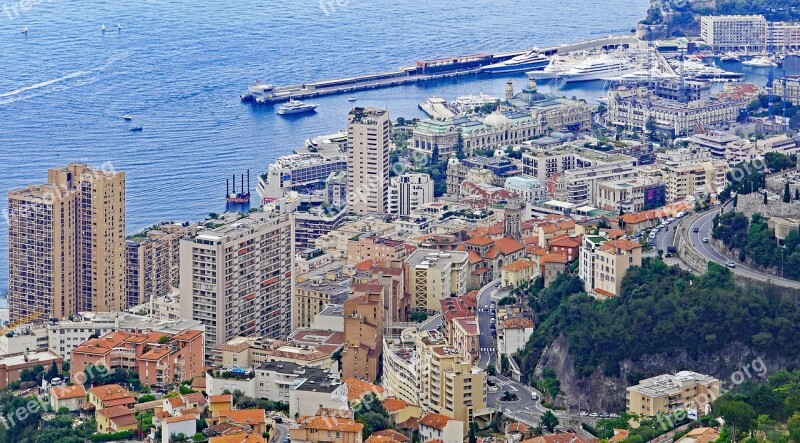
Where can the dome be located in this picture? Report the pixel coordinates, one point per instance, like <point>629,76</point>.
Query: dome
<point>495,120</point>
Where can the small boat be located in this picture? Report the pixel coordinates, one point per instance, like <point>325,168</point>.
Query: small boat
<point>296,107</point>
<point>351,99</point>
<point>119,26</point>
<point>729,57</point>
<point>135,129</point>
<point>127,117</point>
<point>25,30</point>
<point>103,28</point>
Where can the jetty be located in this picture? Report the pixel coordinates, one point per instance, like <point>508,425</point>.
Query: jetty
<point>421,71</point>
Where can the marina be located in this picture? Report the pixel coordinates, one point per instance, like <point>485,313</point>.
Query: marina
<point>427,70</point>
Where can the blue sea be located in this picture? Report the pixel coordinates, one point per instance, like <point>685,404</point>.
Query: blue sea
<point>178,68</point>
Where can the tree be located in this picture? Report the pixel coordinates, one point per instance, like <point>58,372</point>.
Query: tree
<point>419,316</point>
<point>765,197</point>
<point>794,427</point>
<point>52,372</point>
<point>787,197</point>
<point>735,200</point>
<point>650,126</point>
<point>472,437</point>
<point>737,414</point>
<point>491,370</point>
<point>549,420</point>
<point>435,154</point>
<point>459,147</point>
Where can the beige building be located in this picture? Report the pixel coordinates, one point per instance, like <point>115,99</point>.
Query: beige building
<point>363,332</point>
<point>632,195</point>
<point>67,244</point>
<point>605,263</point>
<point>152,262</point>
<point>238,279</point>
<point>368,160</point>
<point>448,383</point>
<point>691,172</point>
<point>329,284</point>
<point>668,393</point>
<point>378,250</point>
<point>431,276</point>
<point>734,32</point>
<point>318,429</point>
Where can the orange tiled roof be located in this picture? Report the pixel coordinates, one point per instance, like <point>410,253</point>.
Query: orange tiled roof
<point>434,420</point>
<point>394,435</point>
<point>567,437</point>
<point>357,388</point>
<point>245,416</point>
<point>238,438</point>
<point>65,392</point>
<point>393,404</point>
<point>508,245</point>
<point>110,392</point>
<point>552,257</point>
<point>519,265</point>
<point>175,402</point>
<point>187,334</point>
<point>195,397</point>
<point>479,241</point>
<point>625,245</point>
<point>517,427</point>
<point>565,241</point>
<point>223,398</point>
<point>179,418</point>
<point>330,424</point>
<point>516,323</point>
<point>603,292</point>
<point>474,257</point>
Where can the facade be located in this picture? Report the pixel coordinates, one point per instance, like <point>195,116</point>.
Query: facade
<point>159,359</point>
<point>691,172</point>
<point>435,427</point>
<point>494,171</point>
<point>317,289</point>
<point>12,365</point>
<point>316,429</point>
<point>579,186</point>
<point>527,189</point>
<point>632,195</point>
<point>152,262</point>
<point>311,394</point>
<point>441,369</point>
<point>488,256</point>
<point>69,397</point>
<point>431,276</point>
<point>408,192</point>
<point>378,250</point>
<point>513,334</point>
<point>271,380</point>
<point>317,221</point>
<point>788,87</point>
<point>605,263</point>
<point>734,32</point>
<point>368,160</point>
<point>304,347</point>
<point>299,173</point>
<point>633,108</point>
<point>76,226</point>
<point>668,393</point>
<point>461,325</point>
<point>238,279</point>
<point>363,333</point>
<point>115,419</point>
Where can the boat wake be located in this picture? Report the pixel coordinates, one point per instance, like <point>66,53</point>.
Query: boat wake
<point>57,84</point>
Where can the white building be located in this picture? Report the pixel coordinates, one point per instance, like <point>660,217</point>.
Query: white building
<point>238,279</point>
<point>408,192</point>
<point>368,160</point>
<point>298,171</point>
<point>440,427</point>
<point>734,32</point>
<point>306,397</point>
<point>527,188</point>
<point>513,334</point>
<point>431,275</point>
<point>183,424</point>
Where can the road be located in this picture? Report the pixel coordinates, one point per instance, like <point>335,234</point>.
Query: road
<point>281,431</point>
<point>665,238</point>
<point>704,224</point>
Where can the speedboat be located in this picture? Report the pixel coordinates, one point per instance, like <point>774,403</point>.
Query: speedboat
<point>296,107</point>
<point>729,57</point>
<point>530,60</point>
<point>136,129</point>
<point>103,28</point>
<point>127,117</point>
<point>351,99</point>
<point>119,26</point>
<point>25,30</point>
<point>601,67</point>
<point>762,61</point>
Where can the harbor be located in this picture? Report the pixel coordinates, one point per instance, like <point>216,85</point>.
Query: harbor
<point>422,71</point>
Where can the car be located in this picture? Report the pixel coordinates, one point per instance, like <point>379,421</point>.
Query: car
<point>493,389</point>
<point>486,307</point>
<point>730,264</point>
<point>497,284</point>
<point>670,220</point>
<point>593,414</point>
<point>277,419</point>
<point>705,239</point>
<point>695,229</point>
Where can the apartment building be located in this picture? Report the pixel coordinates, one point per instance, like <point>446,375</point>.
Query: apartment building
<point>304,347</point>
<point>298,173</point>
<point>376,249</point>
<point>238,279</point>
<point>495,171</point>
<point>435,427</point>
<point>368,160</point>
<point>668,393</point>
<point>397,303</point>
<point>152,259</point>
<point>527,189</point>
<point>788,87</point>
<point>408,192</point>
<point>448,383</point>
<point>329,284</point>
<point>604,264</point>
<point>431,276</point>
<point>513,334</point>
<point>631,195</point>
<point>734,32</point>
<point>459,318</point>
<point>66,244</point>
<point>363,332</point>
<point>580,186</point>
<point>159,359</point>
<point>12,365</point>
<point>271,380</point>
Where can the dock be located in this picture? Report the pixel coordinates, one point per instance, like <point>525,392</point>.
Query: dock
<point>422,71</point>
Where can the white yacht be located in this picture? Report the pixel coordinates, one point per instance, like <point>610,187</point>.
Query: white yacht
<point>557,65</point>
<point>702,71</point>
<point>729,57</point>
<point>472,101</point>
<point>644,75</point>
<point>296,107</point>
<point>762,61</point>
<point>601,67</point>
<point>530,60</point>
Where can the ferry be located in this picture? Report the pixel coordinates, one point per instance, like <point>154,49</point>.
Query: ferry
<point>597,68</point>
<point>296,107</point>
<point>528,61</point>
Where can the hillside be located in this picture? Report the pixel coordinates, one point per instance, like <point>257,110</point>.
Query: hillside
<point>665,320</point>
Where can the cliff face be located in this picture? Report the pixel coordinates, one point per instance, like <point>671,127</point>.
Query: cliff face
<point>732,364</point>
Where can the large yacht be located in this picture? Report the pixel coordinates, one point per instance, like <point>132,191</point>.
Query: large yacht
<point>296,107</point>
<point>762,61</point>
<point>602,67</point>
<point>530,60</point>
<point>702,71</point>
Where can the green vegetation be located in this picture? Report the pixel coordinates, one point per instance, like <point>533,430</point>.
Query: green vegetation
<point>372,415</point>
<point>682,312</point>
<point>507,300</point>
<point>548,383</point>
<point>773,10</point>
<point>756,241</point>
<point>418,316</point>
<point>508,396</point>
<point>549,420</point>
<point>241,401</point>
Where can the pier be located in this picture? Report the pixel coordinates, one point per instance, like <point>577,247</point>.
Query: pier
<point>422,71</point>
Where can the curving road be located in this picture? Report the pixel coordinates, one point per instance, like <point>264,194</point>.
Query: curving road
<point>704,223</point>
